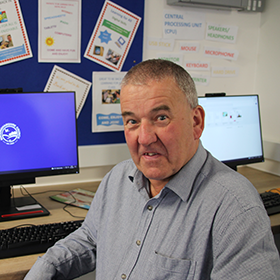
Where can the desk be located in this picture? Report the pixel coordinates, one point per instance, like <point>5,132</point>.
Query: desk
<point>16,268</point>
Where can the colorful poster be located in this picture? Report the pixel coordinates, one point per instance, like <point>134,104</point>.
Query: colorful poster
<point>106,109</point>
<point>59,31</point>
<point>63,80</point>
<point>180,24</point>
<point>112,36</point>
<point>14,43</point>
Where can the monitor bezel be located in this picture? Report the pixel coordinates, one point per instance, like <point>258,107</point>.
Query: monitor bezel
<point>15,176</point>
<point>233,163</point>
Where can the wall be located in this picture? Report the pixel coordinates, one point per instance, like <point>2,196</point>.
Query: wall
<point>258,46</point>
<point>258,43</point>
<point>247,45</point>
<point>267,77</point>
<point>257,74</point>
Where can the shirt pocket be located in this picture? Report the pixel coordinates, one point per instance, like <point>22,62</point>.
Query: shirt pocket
<point>163,267</point>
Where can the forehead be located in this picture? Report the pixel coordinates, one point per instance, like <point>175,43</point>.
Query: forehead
<point>153,89</point>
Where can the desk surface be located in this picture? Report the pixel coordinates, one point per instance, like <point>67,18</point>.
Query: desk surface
<point>16,268</point>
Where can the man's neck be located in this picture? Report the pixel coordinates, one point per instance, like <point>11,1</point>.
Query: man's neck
<point>156,186</point>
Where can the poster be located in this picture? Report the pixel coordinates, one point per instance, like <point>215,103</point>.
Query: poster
<point>59,31</point>
<point>14,43</point>
<point>106,109</point>
<point>63,80</point>
<point>112,36</point>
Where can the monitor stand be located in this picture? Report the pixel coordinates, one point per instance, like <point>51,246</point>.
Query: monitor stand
<point>14,208</point>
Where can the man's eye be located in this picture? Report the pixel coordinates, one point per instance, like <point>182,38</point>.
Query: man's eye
<point>162,118</point>
<point>131,122</point>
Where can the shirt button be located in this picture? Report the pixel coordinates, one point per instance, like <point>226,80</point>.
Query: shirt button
<point>138,242</point>
<point>150,207</point>
<point>123,276</point>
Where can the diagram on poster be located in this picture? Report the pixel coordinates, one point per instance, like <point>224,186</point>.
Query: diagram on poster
<point>14,43</point>
<point>59,31</point>
<point>106,110</point>
<point>112,36</point>
<point>63,80</point>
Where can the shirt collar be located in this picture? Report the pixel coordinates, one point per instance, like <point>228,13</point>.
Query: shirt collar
<point>182,182</point>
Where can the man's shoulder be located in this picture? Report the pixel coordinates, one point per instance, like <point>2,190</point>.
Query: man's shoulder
<point>230,186</point>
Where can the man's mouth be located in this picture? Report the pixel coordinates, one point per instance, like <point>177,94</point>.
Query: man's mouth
<point>150,154</point>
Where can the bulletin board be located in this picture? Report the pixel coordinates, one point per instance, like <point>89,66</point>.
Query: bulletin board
<point>32,76</point>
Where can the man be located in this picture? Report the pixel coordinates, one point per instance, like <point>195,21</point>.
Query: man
<point>9,42</point>
<point>173,211</point>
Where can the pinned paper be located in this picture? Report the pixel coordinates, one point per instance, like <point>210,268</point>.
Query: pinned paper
<point>180,24</point>
<point>224,72</point>
<point>14,44</point>
<point>221,33</point>
<point>201,80</point>
<point>63,80</point>
<point>106,109</point>
<point>189,47</point>
<point>197,65</point>
<point>176,58</point>
<point>160,44</point>
<point>221,53</point>
<point>59,31</point>
<point>112,36</point>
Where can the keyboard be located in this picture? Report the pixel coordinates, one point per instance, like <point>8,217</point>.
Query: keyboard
<point>34,239</point>
<point>271,202</point>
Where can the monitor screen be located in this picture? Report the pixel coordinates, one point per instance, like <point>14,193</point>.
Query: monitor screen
<point>38,136</point>
<point>232,130</point>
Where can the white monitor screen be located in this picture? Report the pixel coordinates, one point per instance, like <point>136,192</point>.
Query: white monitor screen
<point>232,130</point>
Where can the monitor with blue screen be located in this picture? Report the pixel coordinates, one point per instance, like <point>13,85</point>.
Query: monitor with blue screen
<point>38,137</point>
<point>233,129</point>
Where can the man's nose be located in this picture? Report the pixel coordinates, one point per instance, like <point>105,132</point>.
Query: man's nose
<point>147,134</point>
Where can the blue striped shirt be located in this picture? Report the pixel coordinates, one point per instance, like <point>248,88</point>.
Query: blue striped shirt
<point>208,222</point>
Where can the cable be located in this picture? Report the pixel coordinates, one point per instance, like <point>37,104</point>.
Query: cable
<point>64,208</point>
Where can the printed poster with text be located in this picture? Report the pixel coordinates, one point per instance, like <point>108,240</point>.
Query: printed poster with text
<point>112,36</point>
<point>106,109</point>
<point>59,31</point>
<point>14,43</point>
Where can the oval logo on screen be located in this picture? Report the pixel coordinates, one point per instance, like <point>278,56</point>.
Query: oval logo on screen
<point>9,133</point>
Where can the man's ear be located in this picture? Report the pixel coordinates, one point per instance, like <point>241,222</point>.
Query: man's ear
<point>198,121</point>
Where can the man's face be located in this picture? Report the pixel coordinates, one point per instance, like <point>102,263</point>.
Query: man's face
<point>162,131</point>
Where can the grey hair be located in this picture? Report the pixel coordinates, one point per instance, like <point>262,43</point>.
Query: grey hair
<point>159,69</point>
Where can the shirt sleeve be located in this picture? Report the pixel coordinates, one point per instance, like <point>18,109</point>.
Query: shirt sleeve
<point>67,259</point>
<point>245,248</point>
<point>74,255</point>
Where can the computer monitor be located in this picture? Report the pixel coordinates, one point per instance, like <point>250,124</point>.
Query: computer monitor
<point>232,130</point>
<point>38,137</point>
